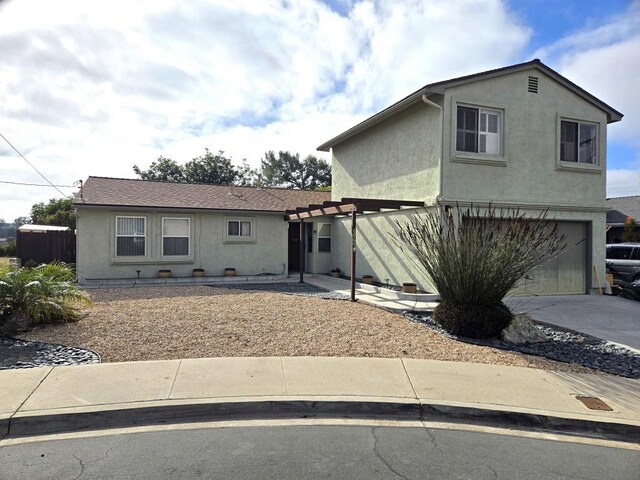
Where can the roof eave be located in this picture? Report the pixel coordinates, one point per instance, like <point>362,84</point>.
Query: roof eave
<point>406,102</point>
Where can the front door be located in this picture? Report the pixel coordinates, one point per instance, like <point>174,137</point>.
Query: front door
<point>294,247</point>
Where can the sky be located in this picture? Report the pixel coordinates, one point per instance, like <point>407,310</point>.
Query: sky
<point>93,88</point>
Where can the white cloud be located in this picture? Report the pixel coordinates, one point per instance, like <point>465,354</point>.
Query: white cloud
<point>623,183</point>
<point>91,88</point>
<point>605,62</point>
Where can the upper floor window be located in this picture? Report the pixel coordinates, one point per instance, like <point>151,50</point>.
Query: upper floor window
<point>578,142</point>
<point>176,233</point>
<point>131,236</point>
<point>479,130</point>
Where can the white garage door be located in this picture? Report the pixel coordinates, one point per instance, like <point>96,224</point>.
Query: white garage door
<point>566,274</point>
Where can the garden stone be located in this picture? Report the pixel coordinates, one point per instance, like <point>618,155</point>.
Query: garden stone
<point>523,330</point>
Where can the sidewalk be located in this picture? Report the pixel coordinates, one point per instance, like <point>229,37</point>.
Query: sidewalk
<point>92,397</point>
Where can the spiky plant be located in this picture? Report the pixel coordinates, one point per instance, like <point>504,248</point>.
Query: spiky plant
<point>474,256</point>
<point>44,293</point>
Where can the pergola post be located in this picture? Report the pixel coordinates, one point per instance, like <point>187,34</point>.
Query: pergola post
<point>301,251</point>
<point>353,256</point>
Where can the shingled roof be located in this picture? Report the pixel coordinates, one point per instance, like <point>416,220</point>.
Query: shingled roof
<point>629,206</point>
<point>123,192</point>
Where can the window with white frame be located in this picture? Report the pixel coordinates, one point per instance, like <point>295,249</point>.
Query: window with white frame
<point>176,234</point>
<point>324,237</point>
<point>131,235</point>
<point>578,142</point>
<point>239,229</point>
<point>479,130</point>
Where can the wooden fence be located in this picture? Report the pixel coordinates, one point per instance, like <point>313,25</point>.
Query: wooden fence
<point>45,247</point>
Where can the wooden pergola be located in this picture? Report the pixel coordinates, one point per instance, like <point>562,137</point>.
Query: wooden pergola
<point>346,207</point>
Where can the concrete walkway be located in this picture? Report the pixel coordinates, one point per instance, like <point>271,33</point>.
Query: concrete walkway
<point>614,319</point>
<point>91,397</point>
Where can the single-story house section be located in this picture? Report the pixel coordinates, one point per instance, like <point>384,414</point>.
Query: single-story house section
<point>128,229</point>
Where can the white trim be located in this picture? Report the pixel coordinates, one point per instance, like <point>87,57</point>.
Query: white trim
<point>330,237</point>
<point>115,246</point>
<point>597,167</point>
<point>479,158</point>
<point>163,236</point>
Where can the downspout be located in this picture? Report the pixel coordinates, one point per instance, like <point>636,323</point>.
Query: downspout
<point>425,99</point>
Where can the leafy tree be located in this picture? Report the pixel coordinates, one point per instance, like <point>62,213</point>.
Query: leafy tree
<point>287,170</point>
<point>247,176</point>
<point>475,257</point>
<point>162,170</point>
<point>209,168</point>
<point>631,233</point>
<point>58,211</point>
<point>18,222</point>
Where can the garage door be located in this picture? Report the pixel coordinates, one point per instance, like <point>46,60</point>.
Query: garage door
<point>566,274</point>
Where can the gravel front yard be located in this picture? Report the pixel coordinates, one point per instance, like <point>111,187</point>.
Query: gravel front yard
<point>156,323</point>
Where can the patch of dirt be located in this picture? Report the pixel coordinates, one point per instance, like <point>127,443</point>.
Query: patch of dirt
<point>158,323</point>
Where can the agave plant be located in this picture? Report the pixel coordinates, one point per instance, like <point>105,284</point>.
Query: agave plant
<point>474,257</point>
<point>44,293</point>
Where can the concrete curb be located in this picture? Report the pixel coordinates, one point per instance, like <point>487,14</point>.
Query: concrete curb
<point>136,416</point>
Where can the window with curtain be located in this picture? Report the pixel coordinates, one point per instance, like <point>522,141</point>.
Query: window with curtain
<point>176,234</point>
<point>479,130</point>
<point>239,228</point>
<point>131,236</point>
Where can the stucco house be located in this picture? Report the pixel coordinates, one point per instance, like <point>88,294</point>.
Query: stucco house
<point>521,136</point>
<point>128,229</point>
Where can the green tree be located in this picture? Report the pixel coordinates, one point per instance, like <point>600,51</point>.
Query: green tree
<point>209,168</point>
<point>162,170</point>
<point>58,211</point>
<point>18,222</point>
<point>631,233</point>
<point>247,176</point>
<point>287,170</point>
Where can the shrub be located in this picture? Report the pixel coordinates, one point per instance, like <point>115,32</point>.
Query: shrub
<point>474,257</point>
<point>9,249</point>
<point>44,293</point>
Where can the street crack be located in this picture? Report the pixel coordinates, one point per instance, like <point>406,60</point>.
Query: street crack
<point>378,455</point>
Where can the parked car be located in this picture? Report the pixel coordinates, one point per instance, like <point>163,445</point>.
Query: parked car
<point>623,261</point>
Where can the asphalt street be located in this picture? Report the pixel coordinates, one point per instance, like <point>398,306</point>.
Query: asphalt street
<point>315,452</point>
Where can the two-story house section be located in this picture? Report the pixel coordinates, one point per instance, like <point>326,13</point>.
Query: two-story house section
<point>521,136</point>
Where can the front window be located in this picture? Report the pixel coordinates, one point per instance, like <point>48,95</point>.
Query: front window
<point>175,236</point>
<point>131,236</point>
<point>479,130</point>
<point>578,142</point>
<point>324,237</point>
<point>239,228</point>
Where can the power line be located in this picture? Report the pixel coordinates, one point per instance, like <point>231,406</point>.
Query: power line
<point>36,184</point>
<point>31,165</point>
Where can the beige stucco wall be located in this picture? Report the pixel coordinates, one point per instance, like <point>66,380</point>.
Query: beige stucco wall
<point>209,249</point>
<point>398,158</point>
<point>531,172</point>
<point>316,261</point>
<point>377,254</point>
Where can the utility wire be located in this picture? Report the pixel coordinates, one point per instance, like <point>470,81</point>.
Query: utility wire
<point>31,165</point>
<point>36,184</point>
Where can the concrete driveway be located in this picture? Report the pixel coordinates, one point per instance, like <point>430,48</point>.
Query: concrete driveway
<point>615,319</point>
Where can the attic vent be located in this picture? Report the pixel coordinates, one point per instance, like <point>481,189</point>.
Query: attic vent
<point>533,84</point>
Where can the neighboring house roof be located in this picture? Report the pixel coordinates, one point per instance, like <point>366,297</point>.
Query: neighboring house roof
<point>629,206</point>
<point>439,87</point>
<point>122,192</point>
<point>41,228</point>
<point>614,217</point>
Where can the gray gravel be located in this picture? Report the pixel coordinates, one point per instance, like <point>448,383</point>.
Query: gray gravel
<point>16,353</point>
<point>289,288</point>
<point>563,345</point>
